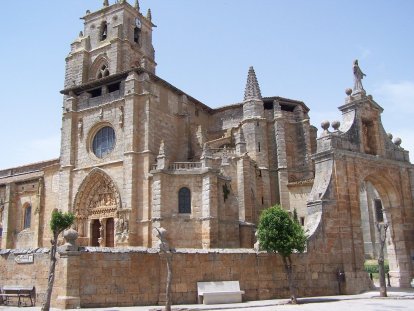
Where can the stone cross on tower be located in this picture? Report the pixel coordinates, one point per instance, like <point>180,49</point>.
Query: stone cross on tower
<point>252,90</point>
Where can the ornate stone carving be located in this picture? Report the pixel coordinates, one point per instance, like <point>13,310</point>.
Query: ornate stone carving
<point>80,128</point>
<point>101,238</point>
<point>122,226</point>
<point>121,117</point>
<point>97,197</point>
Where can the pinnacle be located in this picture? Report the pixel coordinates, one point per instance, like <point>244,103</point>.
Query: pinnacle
<point>136,5</point>
<point>149,15</point>
<point>252,90</point>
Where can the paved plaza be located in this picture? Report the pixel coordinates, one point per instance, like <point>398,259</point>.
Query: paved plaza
<point>398,299</point>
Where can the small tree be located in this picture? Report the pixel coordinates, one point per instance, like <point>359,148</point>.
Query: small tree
<point>382,235</point>
<point>58,223</point>
<point>165,249</point>
<point>279,233</point>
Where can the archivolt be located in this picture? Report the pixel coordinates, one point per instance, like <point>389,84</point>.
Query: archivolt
<point>97,197</point>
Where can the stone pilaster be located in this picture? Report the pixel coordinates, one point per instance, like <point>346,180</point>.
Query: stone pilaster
<point>67,153</point>
<point>38,214</point>
<point>67,281</point>
<point>7,238</point>
<point>132,108</point>
<point>282,168</point>
<point>209,217</point>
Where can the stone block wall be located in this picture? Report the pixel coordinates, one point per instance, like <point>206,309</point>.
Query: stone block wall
<point>99,277</point>
<point>30,274</point>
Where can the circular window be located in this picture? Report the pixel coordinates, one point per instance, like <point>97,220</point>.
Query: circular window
<point>103,142</point>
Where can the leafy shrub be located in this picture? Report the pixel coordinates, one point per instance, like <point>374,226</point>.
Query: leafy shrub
<point>371,266</point>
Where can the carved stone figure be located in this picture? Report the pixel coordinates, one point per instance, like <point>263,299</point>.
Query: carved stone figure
<point>163,245</point>
<point>121,117</point>
<point>119,225</point>
<point>358,76</point>
<point>257,244</point>
<point>80,127</point>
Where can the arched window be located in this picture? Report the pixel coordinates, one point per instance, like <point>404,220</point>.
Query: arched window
<point>103,72</point>
<point>104,31</point>
<point>27,216</point>
<point>184,201</point>
<point>103,142</point>
<point>137,34</point>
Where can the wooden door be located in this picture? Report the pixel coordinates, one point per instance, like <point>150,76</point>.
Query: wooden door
<point>110,228</point>
<point>95,232</point>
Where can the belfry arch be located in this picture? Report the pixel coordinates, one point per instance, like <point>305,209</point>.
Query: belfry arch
<point>100,218</point>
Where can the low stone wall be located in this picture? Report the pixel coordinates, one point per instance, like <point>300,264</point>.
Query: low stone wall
<point>26,274</point>
<point>103,277</point>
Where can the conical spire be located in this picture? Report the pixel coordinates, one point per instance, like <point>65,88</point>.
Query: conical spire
<point>149,15</point>
<point>106,3</point>
<point>136,5</point>
<point>252,90</point>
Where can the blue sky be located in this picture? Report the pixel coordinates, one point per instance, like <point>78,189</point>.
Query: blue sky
<point>300,49</point>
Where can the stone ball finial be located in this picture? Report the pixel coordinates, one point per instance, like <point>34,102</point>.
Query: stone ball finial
<point>88,12</point>
<point>348,91</point>
<point>389,136</point>
<point>70,235</point>
<point>397,141</point>
<point>325,124</point>
<point>336,124</point>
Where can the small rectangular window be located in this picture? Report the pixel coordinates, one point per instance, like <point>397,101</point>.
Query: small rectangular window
<point>302,221</point>
<point>378,210</point>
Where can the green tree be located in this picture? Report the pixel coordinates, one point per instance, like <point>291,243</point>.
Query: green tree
<point>295,215</point>
<point>279,233</point>
<point>58,223</point>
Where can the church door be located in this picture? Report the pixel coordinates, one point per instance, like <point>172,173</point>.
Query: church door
<point>110,228</point>
<point>95,232</point>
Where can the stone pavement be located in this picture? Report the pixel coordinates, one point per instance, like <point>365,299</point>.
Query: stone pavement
<point>401,299</point>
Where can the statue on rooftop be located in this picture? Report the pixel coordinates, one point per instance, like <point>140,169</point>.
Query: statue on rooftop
<point>358,76</point>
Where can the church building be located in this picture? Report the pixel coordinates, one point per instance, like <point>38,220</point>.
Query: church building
<point>137,153</point>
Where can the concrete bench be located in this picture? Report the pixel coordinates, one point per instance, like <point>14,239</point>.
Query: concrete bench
<point>219,292</point>
<point>19,292</point>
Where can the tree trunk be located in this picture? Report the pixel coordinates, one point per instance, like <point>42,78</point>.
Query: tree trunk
<point>169,279</point>
<point>382,231</point>
<point>287,262</point>
<point>51,279</point>
<point>381,270</point>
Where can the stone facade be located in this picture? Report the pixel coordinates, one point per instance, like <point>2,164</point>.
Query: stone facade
<point>137,153</point>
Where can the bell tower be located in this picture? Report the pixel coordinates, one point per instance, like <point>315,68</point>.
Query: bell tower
<point>115,38</point>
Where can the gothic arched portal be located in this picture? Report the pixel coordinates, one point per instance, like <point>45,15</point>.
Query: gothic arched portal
<point>98,211</point>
